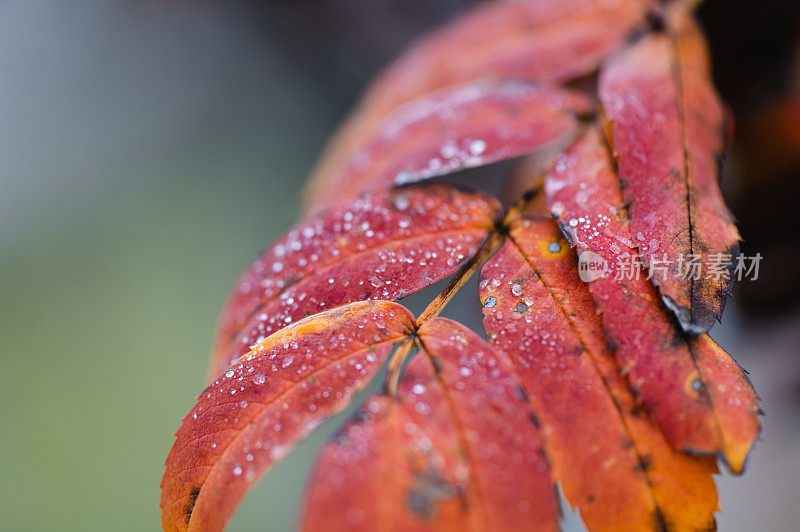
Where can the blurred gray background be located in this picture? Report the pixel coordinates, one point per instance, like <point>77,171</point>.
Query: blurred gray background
<point>148,152</point>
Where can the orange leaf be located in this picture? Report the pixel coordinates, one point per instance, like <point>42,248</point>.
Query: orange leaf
<point>668,130</point>
<point>269,399</point>
<point>612,461</point>
<point>532,40</point>
<point>697,394</point>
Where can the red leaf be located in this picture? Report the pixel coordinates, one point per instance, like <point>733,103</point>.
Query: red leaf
<point>399,465</point>
<point>267,401</point>
<point>613,462</point>
<point>668,131</point>
<point>508,466</point>
<point>355,471</point>
<point>697,394</point>
<point>540,40</point>
<point>451,129</point>
<point>532,40</point>
<point>456,451</point>
<point>382,246</point>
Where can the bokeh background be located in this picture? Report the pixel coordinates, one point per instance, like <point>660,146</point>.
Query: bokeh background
<point>150,149</point>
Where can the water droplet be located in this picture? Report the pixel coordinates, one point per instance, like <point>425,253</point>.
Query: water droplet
<point>477,147</point>
<point>422,408</point>
<point>490,302</point>
<point>554,247</point>
<point>401,202</point>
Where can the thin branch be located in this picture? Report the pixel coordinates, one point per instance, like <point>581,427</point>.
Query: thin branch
<point>436,306</point>
<point>396,364</point>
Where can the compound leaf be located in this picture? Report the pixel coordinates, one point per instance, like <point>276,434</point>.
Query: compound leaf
<point>598,378</point>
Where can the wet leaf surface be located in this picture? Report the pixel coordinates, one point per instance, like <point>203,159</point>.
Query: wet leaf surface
<point>612,461</point>
<point>465,126</point>
<point>385,246</point>
<point>668,132</point>
<point>671,373</point>
<point>455,450</point>
<point>509,468</point>
<point>539,40</point>
<point>267,401</point>
<point>598,377</point>
<point>399,465</point>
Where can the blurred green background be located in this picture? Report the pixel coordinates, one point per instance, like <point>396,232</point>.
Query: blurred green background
<point>148,151</point>
<point>147,155</point>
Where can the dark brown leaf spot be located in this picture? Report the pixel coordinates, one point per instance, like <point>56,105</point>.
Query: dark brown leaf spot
<point>429,487</point>
<point>193,495</point>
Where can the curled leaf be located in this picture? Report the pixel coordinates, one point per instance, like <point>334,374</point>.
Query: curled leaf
<point>668,129</point>
<point>385,246</point>
<point>678,378</point>
<point>268,400</point>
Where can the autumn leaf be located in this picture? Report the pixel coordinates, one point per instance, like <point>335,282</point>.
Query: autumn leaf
<point>393,468</point>
<point>696,393</point>
<point>538,40</point>
<point>451,129</point>
<point>399,465</point>
<point>454,450</point>
<point>534,40</point>
<point>268,400</point>
<point>612,461</point>
<point>668,131</point>
<point>385,246</point>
